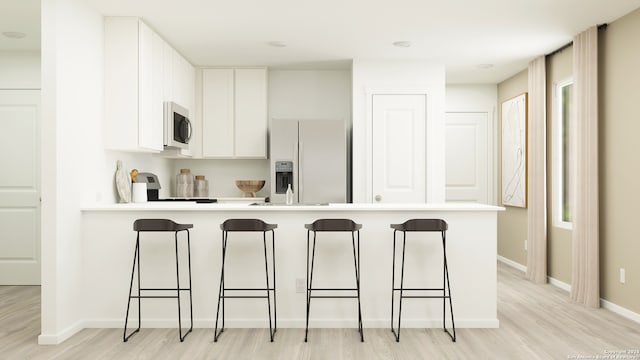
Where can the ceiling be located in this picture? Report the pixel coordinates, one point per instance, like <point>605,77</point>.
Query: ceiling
<point>462,34</point>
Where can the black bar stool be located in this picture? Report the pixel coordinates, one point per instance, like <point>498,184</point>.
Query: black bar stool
<point>334,225</point>
<point>248,225</point>
<point>159,225</point>
<point>430,225</point>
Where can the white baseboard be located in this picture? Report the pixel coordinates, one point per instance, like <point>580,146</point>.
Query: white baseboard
<point>624,312</point>
<point>512,263</point>
<point>55,339</point>
<point>559,284</point>
<point>296,323</point>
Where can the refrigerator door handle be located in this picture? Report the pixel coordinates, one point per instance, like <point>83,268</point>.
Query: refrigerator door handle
<point>300,172</point>
<point>296,162</point>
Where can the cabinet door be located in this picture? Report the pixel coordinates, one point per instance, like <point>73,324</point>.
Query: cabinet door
<point>183,82</point>
<point>168,54</point>
<point>251,113</point>
<point>217,113</point>
<point>121,83</point>
<point>150,111</point>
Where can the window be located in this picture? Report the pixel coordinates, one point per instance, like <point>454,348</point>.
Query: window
<point>561,154</point>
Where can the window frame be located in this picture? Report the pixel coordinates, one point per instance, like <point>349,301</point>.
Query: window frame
<point>557,154</point>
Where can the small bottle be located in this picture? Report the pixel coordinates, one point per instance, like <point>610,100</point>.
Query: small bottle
<point>289,195</point>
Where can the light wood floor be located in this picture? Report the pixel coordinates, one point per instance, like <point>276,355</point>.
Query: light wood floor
<point>536,322</point>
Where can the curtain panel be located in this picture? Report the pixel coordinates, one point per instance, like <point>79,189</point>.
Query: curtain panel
<point>585,282</point>
<point>537,173</point>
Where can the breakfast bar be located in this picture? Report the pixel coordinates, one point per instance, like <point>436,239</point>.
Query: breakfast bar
<point>109,242</point>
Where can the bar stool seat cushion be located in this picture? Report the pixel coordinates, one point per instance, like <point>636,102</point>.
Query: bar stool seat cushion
<point>159,225</point>
<point>246,225</point>
<point>421,225</point>
<point>333,225</point>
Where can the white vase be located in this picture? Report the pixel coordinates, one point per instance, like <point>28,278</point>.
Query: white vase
<point>123,183</point>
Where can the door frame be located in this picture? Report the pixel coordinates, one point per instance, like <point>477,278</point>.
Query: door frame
<point>369,93</point>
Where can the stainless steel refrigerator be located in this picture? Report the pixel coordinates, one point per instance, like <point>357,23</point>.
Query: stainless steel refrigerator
<point>311,156</point>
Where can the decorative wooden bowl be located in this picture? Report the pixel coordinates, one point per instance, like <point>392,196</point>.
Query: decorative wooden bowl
<point>250,187</point>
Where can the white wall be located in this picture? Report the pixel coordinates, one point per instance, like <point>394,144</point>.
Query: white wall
<point>19,70</point>
<point>473,98</point>
<point>72,106</point>
<point>310,94</point>
<point>397,76</point>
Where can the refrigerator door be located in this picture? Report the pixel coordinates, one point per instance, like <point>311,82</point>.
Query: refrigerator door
<point>283,146</point>
<point>322,173</point>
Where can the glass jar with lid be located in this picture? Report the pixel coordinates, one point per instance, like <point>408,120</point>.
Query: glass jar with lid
<point>201,187</point>
<point>184,184</point>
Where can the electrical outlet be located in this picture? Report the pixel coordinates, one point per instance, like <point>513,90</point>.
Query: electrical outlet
<point>300,285</point>
<point>525,244</point>
<point>622,276</point>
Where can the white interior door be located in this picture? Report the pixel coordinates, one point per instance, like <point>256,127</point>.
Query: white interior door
<point>467,157</point>
<point>20,187</point>
<point>399,148</point>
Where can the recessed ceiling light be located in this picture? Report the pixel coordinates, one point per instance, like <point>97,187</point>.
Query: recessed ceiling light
<point>277,43</point>
<point>14,34</point>
<point>404,44</point>
<point>485,66</point>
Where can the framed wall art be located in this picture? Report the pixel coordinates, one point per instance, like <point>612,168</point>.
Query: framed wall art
<point>514,151</point>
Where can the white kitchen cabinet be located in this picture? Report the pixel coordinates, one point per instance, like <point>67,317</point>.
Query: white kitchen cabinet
<point>142,71</point>
<point>184,77</point>
<point>133,91</point>
<point>150,94</point>
<point>234,113</point>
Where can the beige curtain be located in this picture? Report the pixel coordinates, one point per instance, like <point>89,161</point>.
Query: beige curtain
<point>585,282</point>
<point>537,173</point>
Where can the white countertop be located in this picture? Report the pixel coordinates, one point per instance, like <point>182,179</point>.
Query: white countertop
<point>190,206</point>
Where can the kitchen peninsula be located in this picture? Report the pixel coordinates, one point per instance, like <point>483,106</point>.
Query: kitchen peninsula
<point>109,242</point>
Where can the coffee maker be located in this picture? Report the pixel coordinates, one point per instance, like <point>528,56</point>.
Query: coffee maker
<point>153,184</point>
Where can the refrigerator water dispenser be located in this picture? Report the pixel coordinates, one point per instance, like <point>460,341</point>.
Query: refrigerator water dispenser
<point>284,176</point>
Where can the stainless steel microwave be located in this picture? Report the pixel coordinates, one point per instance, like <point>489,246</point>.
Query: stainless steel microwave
<point>177,127</point>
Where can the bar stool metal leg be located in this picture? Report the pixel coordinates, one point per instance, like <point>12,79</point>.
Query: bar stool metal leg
<point>309,280</point>
<point>401,289</point>
<point>180,289</point>
<point>136,256</point>
<point>266,273</point>
<point>356,264</point>
<point>448,287</point>
<point>221,289</point>
<point>275,307</point>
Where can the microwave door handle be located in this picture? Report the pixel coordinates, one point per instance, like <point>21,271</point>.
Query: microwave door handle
<point>185,137</point>
<point>190,132</point>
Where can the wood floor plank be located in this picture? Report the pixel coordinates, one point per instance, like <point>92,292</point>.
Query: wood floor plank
<point>536,322</point>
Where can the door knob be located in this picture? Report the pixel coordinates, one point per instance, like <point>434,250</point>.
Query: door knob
<point>378,197</point>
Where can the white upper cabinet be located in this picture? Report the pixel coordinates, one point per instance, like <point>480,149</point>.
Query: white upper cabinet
<point>150,94</point>
<point>234,113</point>
<point>141,72</point>
<point>183,80</point>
